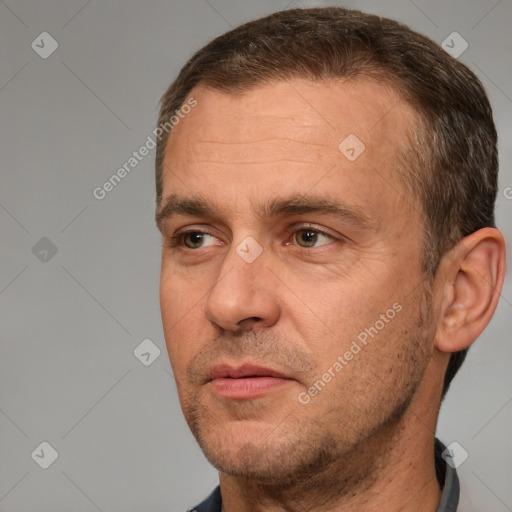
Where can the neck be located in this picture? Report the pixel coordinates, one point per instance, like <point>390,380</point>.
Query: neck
<point>392,470</point>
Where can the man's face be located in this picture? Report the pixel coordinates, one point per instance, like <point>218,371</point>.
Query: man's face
<point>271,294</point>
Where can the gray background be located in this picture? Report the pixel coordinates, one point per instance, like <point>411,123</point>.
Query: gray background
<point>70,324</point>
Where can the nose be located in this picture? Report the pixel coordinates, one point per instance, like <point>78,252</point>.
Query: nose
<point>244,295</point>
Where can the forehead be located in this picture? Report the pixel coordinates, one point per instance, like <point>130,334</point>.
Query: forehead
<point>290,137</point>
<point>314,108</point>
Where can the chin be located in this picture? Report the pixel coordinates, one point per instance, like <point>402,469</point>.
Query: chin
<point>264,454</point>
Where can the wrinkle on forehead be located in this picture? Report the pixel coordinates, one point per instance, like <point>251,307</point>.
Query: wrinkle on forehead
<point>293,114</point>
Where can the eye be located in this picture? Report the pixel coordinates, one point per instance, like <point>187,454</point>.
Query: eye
<point>305,237</point>
<point>309,237</point>
<point>191,239</point>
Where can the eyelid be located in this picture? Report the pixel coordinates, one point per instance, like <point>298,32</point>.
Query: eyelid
<point>308,225</point>
<point>178,236</point>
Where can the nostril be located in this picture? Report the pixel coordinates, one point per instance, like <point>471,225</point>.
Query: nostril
<point>248,323</point>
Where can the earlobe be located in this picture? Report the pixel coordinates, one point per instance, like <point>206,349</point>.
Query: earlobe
<point>471,282</point>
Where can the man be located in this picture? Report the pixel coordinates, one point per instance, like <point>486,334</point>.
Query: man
<point>326,201</point>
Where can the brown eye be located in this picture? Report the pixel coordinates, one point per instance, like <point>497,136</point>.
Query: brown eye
<point>193,240</point>
<point>308,237</point>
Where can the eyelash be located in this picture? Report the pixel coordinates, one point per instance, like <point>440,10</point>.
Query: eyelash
<point>176,240</point>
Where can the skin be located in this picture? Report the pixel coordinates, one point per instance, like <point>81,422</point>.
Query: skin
<point>365,440</point>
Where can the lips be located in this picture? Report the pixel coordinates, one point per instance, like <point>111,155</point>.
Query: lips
<point>226,371</point>
<point>246,381</point>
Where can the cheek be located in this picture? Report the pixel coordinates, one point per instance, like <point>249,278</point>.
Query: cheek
<point>333,312</point>
<point>180,306</point>
<point>178,296</point>
<point>349,328</point>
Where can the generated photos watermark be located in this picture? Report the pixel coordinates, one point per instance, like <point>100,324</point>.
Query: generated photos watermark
<point>134,160</point>
<point>355,348</point>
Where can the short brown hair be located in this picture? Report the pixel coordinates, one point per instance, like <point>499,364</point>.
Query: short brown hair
<point>449,162</point>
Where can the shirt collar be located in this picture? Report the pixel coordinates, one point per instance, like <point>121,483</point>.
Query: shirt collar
<point>451,490</point>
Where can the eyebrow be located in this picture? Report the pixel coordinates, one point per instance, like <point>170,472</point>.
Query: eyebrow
<point>176,205</point>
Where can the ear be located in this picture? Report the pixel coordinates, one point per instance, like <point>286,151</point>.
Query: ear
<point>470,284</point>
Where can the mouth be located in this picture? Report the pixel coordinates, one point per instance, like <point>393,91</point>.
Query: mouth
<point>246,381</point>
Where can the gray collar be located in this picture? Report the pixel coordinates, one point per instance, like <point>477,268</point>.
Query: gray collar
<point>451,490</point>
